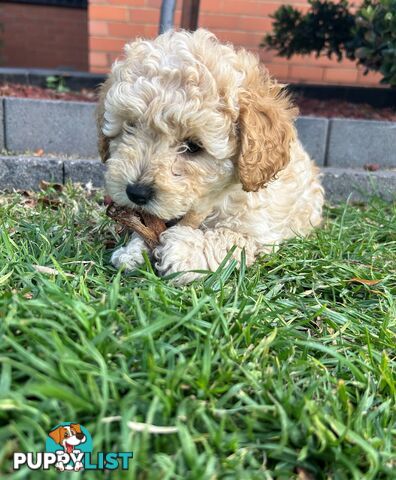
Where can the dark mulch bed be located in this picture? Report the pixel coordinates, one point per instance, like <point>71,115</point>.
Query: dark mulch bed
<point>308,106</point>
<point>342,108</point>
<point>30,91</point>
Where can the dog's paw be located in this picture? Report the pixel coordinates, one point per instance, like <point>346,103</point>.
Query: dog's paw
<point>131,256</point>
<point>180,250</point>
<point>122,258</point>
<point>78,466</point>
<point>60,467</point>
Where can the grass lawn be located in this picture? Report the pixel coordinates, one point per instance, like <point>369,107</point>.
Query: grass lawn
<point>283,370</point>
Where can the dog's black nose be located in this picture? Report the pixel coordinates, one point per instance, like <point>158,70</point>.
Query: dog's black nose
<point>139,193</point>
<point>79,435</point>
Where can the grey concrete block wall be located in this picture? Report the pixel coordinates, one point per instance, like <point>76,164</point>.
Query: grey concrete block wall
<point>355,143</point>
<point>84,171</point>
<point>312,132</point>
<point>341,184</point>
<point>26,172</point>
<point>55,126</point>
<point>69,128</point>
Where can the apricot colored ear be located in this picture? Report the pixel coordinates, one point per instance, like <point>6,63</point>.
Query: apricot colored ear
<point>266,130</point>
<point>76,427</point>
<point>57,435</point>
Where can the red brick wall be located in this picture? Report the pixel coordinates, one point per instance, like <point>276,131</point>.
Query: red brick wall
<point>43,37</point>
<point>243,22</point>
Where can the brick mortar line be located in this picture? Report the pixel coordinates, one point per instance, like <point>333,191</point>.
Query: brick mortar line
<point>131,25</point>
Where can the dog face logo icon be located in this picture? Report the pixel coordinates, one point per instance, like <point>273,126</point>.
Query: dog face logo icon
<point>69,447</point>
<point>68,436</point>
<point>70,441</point>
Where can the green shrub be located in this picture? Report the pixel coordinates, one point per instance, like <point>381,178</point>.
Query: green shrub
<point>374,39</point>
<point>367,35</point>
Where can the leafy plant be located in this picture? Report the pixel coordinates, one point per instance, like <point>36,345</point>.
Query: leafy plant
<point>57,83</point>
<point>367,36</point>
<point>374,39</point>
<point>324,29</point>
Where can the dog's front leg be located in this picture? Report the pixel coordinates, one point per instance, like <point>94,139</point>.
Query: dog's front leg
<point>130,256</point>
<point>183,249</point>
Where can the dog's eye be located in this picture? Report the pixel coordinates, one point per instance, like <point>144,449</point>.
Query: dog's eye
<point>192,147</point>
<point>66,435</point>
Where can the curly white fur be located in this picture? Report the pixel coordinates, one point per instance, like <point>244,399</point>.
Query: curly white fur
<point>130,256</point>
<point>187,86</point>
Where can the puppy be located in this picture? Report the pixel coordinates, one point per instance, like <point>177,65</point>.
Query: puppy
<point>195,130</point>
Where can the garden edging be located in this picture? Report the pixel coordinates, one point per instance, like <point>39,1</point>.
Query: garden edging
<point>342,146</point>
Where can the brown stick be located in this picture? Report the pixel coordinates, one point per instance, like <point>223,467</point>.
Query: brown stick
<point>147,226</point>
<point>193,219</point>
